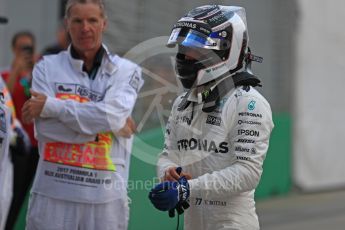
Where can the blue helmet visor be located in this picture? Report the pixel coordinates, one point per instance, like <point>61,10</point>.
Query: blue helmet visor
<point>192,38</point>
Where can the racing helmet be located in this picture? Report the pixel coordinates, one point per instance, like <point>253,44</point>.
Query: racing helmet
<point>219,34</point>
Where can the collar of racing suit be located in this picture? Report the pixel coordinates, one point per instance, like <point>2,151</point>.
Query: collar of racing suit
<point>211,93</point>
<point>107,64</point>
<point>97,61</point>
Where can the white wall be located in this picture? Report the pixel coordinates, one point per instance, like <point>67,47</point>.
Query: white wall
<point>319,98</point>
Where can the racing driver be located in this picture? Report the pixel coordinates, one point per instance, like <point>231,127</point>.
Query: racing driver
<point>219,129</point>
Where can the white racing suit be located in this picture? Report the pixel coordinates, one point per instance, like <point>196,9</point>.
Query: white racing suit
<point>81,160</point>
<point>6,167</point>
<point>224,152</point>
<point>8,136</point>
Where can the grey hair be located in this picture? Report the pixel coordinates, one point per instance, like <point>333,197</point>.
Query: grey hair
<point>70,3</point>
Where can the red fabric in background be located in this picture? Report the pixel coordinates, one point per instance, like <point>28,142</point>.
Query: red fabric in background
<point>19,98</point>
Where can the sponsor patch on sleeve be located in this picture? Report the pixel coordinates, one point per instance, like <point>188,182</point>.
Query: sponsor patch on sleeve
<point>213,120</point>
<point>135,81</point>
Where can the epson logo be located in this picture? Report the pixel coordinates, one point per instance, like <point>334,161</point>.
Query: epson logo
<point>247,114</point>
<point>202,145</point>
<point>248,132</point>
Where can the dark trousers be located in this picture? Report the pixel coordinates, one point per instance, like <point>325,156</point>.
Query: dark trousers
<point>24,167</point>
